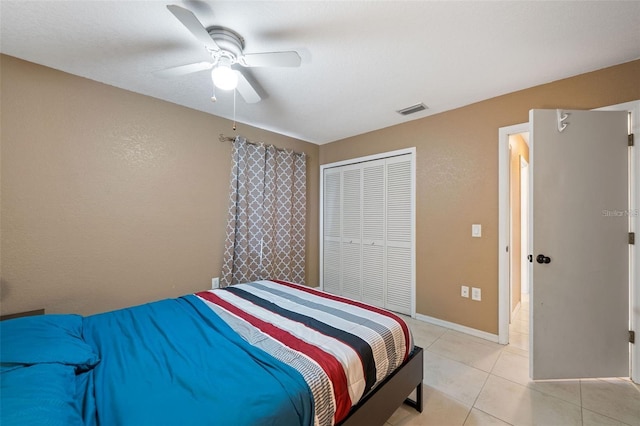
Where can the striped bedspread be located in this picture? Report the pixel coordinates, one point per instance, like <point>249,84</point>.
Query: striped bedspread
<point>341,347</point>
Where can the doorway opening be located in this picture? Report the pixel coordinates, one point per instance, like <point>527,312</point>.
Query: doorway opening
<point>519,240</point>
<point>513,149</point>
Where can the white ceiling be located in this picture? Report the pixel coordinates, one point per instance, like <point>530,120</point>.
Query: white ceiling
<point>361,61</point>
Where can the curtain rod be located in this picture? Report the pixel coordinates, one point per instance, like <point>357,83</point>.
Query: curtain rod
<point>224,138</point>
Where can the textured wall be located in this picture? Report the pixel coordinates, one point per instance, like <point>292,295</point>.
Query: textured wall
<point>110,198</point>
<point>457,185</point>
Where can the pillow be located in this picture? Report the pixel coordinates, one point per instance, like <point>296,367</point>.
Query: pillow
<point>39,394</point>
<point>45,338</point>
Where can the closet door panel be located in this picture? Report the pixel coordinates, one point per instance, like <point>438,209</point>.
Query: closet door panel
<point>331,267</point>
<point>351,271</point>
<point>399,235</point>
<point>373,228</point>
<point>399,192</point>
<point>398,290</point>
<point>373,201</point>
<point>352,231</point>
<point>332,205</point>
<point>373,274</point>
<point>352,204</point>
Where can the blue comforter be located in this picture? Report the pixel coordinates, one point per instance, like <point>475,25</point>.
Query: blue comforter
<point>175,362</point>
<point>172,362</point>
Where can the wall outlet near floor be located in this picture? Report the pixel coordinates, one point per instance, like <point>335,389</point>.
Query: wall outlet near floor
<point>215,282</point>
<point>476,294</point>
<point>464,291</point>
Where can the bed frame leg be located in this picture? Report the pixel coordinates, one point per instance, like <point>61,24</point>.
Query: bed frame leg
<point>417,404</point>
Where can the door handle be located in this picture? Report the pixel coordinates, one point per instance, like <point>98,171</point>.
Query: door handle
<point>530,258</point>
<point>541,258</point>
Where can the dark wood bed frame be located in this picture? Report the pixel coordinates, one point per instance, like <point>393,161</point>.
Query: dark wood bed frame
<point>378,405</point>
<point>22,314</point>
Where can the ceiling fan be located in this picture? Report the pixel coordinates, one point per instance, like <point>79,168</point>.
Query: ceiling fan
<point>226,48</point>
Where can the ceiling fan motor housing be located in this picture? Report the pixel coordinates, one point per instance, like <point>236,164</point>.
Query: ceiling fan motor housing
<point>228,40</point>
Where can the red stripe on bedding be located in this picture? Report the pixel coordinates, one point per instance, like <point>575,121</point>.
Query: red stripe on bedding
<point>405,328</point>
<point>326,361</point>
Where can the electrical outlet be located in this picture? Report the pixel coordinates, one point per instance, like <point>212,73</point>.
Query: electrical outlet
<point>215,282</point>
<point>464,291</point>
<point>476,294</point>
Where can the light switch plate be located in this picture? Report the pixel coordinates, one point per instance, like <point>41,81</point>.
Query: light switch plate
<point>476,230</point>
<point>476,294</point>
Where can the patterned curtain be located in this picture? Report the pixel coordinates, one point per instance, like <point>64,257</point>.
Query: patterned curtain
<point>267,215</point>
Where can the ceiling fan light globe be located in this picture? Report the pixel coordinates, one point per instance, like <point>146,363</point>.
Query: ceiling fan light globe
<point>224,77</point>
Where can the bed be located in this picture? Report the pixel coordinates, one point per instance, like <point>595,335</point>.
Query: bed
<point>261,353</point>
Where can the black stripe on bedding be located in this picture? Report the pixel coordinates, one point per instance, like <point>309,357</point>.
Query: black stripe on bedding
<point>360,346</point>
<point>384,332</point>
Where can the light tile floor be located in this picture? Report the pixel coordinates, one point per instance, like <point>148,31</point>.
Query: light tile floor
<point>471,381</point>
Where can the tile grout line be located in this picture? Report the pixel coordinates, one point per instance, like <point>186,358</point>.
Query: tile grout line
<point>478,396</point>
<point>490,373</point>
<point>548,395</point>
<point>436,339</point>
<point>581,406</point>
<point>495,417</point>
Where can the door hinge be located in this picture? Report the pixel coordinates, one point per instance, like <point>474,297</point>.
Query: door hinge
<point>632,336</point>
<point>632,238</point>
<point>630,139</point>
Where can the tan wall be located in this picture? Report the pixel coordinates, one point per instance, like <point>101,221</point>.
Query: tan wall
<point>457,185</point>
<point>518,148</point>
<point>111,198</point>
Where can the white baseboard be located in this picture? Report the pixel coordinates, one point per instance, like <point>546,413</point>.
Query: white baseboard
<point>457,327</point>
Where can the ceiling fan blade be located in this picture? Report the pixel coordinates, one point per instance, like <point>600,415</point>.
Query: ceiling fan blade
<point>196,28</point>
<point>184,69</point>
<point>246,90</point>
<point>271,59</point>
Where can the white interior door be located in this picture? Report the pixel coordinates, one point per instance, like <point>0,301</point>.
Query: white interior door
<point>580,298</point>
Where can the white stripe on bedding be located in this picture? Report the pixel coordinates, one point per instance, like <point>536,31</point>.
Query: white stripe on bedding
<point>348,358</point>
<point>383,355</point>
<point>383,320</point>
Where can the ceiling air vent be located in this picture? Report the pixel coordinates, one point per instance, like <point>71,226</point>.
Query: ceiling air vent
<point>412,109</point>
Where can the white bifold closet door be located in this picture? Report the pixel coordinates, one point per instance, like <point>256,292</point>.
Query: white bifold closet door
<point>373,226</point>
<point>332,229</point>
<point>399,235</point>
<point>368,232</point>
<point>351,243</point>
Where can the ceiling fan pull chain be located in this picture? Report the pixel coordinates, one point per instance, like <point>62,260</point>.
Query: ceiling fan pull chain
<point>234,110</point>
